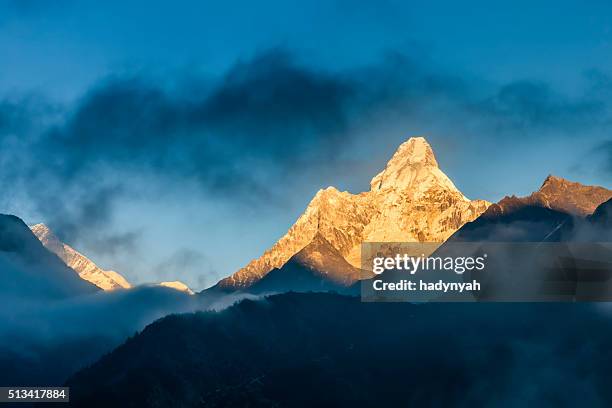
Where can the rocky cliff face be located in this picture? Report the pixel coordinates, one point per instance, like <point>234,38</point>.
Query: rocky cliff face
<point>87,269</point>
<point>557,194</point>
<point>410,200</point>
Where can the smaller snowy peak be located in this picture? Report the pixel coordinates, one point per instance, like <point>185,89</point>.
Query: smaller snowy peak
<point>177,285</point>
<point>326,193</point>
<point>329,197</point>
<point>83,266</point>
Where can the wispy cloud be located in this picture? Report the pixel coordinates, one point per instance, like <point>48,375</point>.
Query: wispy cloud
<point>244,135</point>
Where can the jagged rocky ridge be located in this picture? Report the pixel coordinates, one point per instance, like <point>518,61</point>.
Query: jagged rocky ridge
<point>410,200</point>
<point>555,212</point>
<point>557,194</point>
<point>85,267</point>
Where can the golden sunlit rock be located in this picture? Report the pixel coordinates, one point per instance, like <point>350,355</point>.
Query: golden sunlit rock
<point>411,200</point>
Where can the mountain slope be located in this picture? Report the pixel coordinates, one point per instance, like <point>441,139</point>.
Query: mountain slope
<point>536,253</point>
<point>27,269</point>
<point>560,195</point>
<point>525,223</point>
<point>86,268</point>
<point>549,214</point>
<point>410,200</point>
<point>317,267</point>
<point>597,227</point>
<point>602,215</point>
<point>52,322</point>
<point>310,350</point>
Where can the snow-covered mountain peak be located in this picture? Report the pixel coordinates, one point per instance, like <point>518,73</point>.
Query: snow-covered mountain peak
<point>416,150</point>
<point>411,200</point>
<point>177,285</point>
<point>414,169</point>
<point>85,267</point>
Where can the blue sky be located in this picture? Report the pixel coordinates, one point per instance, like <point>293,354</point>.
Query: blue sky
<point>63,46</point>
<point>188,136</point>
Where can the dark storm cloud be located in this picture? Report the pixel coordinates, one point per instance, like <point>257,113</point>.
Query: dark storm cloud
<point>267,110</point>
<point>268,105</point>
<point>265,117</point>
<point>242,136</point>
<point>272,98</point>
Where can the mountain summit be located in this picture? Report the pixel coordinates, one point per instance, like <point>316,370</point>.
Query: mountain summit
<point>411,200</point>
<point>413,168</point>
<point>557,194</point>
<point>85,267</point>
<point>572,197</point>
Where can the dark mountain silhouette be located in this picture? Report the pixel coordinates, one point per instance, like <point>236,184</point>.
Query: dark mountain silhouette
<point>318,267</point>
<point>536,253</point>
<point>602,215</point>
<point>513,221</point>
<point>53,322</point>
<point>321,349</point>
<point>596,227</point>
<point>28,269</point>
